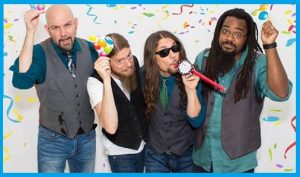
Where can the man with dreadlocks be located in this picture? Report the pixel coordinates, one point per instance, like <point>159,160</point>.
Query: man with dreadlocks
<point>230,137</point>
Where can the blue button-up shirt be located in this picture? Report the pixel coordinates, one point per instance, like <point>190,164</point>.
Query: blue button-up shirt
<point>37,71</point>
<point>211,153</point>
<point>194,121</point>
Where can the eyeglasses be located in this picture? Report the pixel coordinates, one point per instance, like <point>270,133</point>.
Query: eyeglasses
<point>121,61</point>
<point>236,34</point>
<point>165,52</point>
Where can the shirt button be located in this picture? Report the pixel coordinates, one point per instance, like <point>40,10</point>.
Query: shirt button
<point>75,85</point>
<point>78,104</point>
<point>77,95</point>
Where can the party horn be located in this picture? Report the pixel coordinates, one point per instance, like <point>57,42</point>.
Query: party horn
<point>186,67</point>
<point>103,45</point>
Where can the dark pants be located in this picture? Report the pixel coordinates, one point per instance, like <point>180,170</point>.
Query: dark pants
<point>167,162</point>
<point>199,169</point>
<point>127,163</point>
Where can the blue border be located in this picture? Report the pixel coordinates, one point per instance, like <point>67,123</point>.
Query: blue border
<point>150,2</point>
<point>144,2</point>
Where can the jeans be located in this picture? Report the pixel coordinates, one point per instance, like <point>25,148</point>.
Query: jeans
<point>55,149</point>
<point>127,163</point>
<point>199,169</point>
<point>167,162</point>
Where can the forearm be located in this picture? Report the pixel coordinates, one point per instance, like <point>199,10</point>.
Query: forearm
<point>108,116</point>
<point>276,76</point>
<point>25,58</point>
<point>193,104</point>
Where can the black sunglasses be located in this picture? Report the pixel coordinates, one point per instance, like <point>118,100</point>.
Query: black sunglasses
<point>165,52</point>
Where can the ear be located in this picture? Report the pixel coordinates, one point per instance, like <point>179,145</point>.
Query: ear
<point>76,22</point>
<point>46,28</point>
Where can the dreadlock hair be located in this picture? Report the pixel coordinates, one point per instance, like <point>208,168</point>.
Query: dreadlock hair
<point>151,74</point>
<point>243,83</point>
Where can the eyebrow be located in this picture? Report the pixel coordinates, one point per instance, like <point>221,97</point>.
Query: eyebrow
<point>240,29</point>
<point>61,25</point>
<point>124,57</point>
<point>163,47</point>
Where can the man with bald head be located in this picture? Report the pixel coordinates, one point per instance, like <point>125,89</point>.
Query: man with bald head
<point>59,68</point>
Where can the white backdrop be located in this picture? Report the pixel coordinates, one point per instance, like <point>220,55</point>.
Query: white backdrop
<point>194,25</point>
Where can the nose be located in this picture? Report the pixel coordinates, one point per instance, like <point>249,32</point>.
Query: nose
<point>62,32</point>
<point>230,37</point>
<point>129,62</point>
<point>172,55</point>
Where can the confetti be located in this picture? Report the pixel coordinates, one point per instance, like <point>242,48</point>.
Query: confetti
<point>181,9</point>
<point>148,14</point>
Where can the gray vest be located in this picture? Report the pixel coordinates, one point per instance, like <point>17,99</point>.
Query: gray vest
<point>170,131</point>
<point>64,101</point>
<point>240,127</point>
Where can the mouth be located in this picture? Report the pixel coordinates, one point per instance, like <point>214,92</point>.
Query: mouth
<point>228,46</point>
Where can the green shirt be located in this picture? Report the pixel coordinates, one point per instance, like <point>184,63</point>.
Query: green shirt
<point>37,71</point>
<point>211,153</point>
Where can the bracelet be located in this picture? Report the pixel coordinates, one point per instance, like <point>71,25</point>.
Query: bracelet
<point>270,46</point>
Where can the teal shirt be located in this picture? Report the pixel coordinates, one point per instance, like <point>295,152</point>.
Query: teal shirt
<point>212,152</point>
<point>37,71</point>
<point>194,121</point>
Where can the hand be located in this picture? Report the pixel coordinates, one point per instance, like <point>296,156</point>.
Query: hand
<point>31,18</point>
<point>268,33</point>
<point>190,81</point>
<point>102,66</point>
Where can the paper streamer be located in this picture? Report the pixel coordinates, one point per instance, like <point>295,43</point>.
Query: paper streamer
<point>92,15</point>
<point>11,103</point>
<point>181,9</point>
<point>294,143</point>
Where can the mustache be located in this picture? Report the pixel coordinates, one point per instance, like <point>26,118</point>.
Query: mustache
<point>67,38</point>
<point>229,43</point>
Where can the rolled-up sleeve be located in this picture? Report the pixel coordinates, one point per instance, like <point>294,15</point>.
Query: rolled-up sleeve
<point>36,73</point>
<point>262,88</point>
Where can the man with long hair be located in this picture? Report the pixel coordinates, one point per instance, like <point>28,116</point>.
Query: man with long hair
<point>116,95</point>
<point>230,137</point>
<point>172,101</point>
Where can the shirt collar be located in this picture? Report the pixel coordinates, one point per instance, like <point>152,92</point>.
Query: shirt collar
<point>168,79</point>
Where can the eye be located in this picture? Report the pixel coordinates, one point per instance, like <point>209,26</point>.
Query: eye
<point>225,31</point>
<point>120,61</point>
<point>68,25</point>
<point>237,34</point>
<point>55,28</point>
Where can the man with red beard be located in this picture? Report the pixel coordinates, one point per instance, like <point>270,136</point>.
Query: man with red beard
<point>116,95</point>
<point>230,137</point>
<point>59,68</point>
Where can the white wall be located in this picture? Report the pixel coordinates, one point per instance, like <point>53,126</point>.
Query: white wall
<point>194,25</point>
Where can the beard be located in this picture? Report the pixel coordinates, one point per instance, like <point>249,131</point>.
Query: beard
<point>225,61</point>
<point>129,81</point>
<point>66,47</point>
